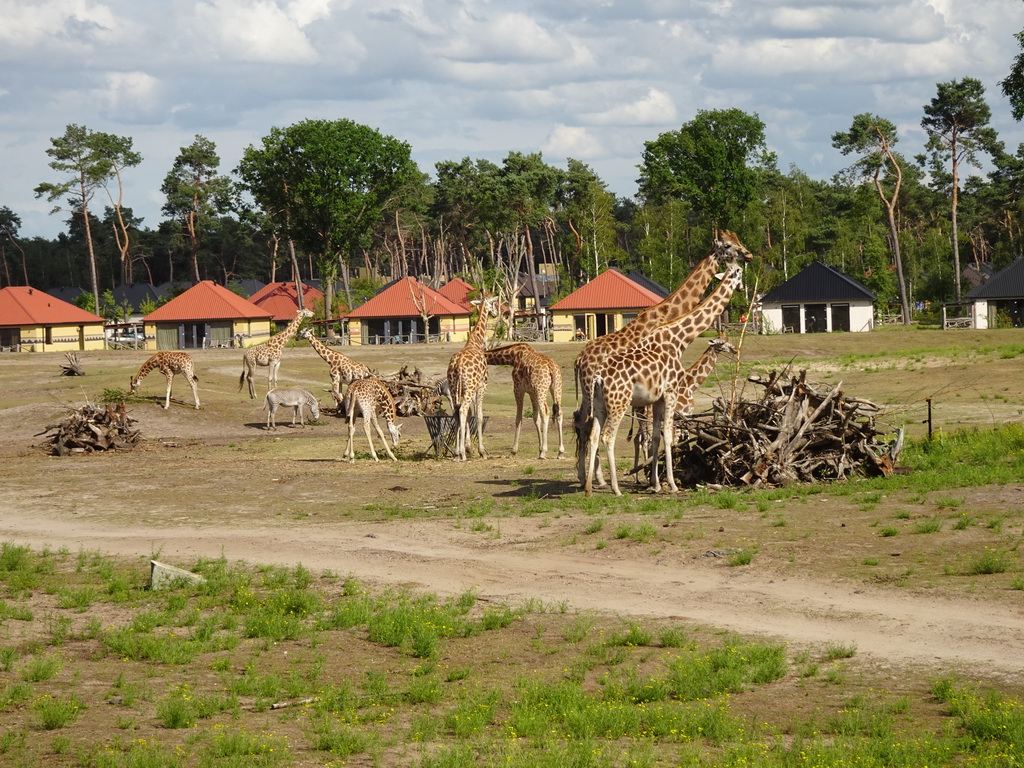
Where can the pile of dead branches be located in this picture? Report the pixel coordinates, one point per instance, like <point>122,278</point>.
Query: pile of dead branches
<point>414,395</point>
<point>91,428</point>
<point>73,366</point>
<point>793,431</point>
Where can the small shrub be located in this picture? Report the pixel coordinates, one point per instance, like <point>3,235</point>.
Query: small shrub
<point>987,563</point>
<point>56,712</point>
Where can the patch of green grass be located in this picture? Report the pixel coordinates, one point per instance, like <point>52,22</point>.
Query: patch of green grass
<point>54,712</point>
<point>988,562</point>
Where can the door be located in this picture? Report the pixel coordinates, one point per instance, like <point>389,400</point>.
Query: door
<point>815,318</point>
<point>791,318</point>
<point>167,337</point>
<point>841,317</point>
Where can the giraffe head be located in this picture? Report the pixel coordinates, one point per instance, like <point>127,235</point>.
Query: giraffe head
<point>135,382</point>
<point>729,249</point>
<point>487,306</point>
<point>305,333</point>
<point>395,430</point>
<point>305,312</point>
<point>720,345</point>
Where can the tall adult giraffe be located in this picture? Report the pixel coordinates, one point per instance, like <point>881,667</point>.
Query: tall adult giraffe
<point>727,250</point>
<point>344,370</point>
<point>467,379</point>
<point>269,353</point>
<point>533,374</point>
<point>650,374</point>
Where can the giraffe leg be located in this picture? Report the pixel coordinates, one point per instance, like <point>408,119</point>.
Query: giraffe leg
<point>383,439</point>
<point>668,433</point>
<point>658,414</point>
<point>350,452</point>
<point>479,413</point>
<point>591,455</point>
<point>193,381</point>
<point>167,397</point>
<point>519,419</point>
<point>367,418</point>
<point>608,435</point>
<point>461,434</point>
<point>540,421</point>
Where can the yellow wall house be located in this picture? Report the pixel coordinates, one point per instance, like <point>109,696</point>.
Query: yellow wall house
<point>605,304</point>
<point>34,321</point>
<point>206,315</point>
<point>395,316</point>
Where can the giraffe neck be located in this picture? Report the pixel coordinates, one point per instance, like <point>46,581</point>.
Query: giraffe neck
<point>476,336</point>
<point>704,365</point>
<point>283,337</point>
<point>509,354</point>
<point>688,327</point>
<point>320,347</point>
<point>682,299</point>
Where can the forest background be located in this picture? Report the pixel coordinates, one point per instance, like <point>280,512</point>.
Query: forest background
<point>344,204</point>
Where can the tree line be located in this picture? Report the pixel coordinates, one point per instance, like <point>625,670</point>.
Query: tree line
<point>343,203</point>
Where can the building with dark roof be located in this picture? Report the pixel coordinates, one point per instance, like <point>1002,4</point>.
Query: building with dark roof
<point>818,299</point>
<point>1002,294</point>
<point>602,306</point>
<point>206,315</point>
<point>34,321</point>
<point>396,315</point>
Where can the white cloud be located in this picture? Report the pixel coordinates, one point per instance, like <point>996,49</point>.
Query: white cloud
<point>654,108</point>
<point>572,141</point>
<point>73,25</point>
<point>249,31</point>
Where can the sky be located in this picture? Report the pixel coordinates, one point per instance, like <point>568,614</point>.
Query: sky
<point>587,79</point>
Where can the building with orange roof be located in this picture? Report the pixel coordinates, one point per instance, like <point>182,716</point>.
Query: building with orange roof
<point>34,321</point>
<point>396,315</point>
<point>207,315</point>
<point>282,300</point>
<point>457,290</point>
<point>605,304</point>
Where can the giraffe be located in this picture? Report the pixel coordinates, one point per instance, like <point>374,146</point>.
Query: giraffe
<point>535,374</point>
<point>269,353</point>
<point>467,380</point>
<point>344,370</point>
<point>371,398</point>
<point>650,374</point>
<point>169,363</point>
<point>727,249</point>
<point>691,379</point>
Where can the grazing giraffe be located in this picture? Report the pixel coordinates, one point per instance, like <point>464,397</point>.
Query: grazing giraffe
<point>650,374</point>
<point>727,249</point>
<point>691,379</point>
<point>269,353</point>
<point>169,363</point>
<point>344,370</point>
<point>372,399</point>
<point>467,380</point>
<point>534,374</point>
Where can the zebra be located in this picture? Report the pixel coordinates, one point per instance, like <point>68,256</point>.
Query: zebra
<point>291,397</point>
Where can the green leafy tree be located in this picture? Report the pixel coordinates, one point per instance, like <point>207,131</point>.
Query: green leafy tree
<point>1013,84</point>
<point>89,159</point>
<point>10,223</point>
<point>196,192</point>
<point>588,209</point>
<point>119,151</point>
<point>715,163</point>
<point>872,138</point>
<point>325,185</point>
<point>956,122</point>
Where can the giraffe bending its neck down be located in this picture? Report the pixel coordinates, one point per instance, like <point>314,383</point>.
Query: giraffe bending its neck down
<point>169,363</point>
<point>269,353</point>
<point>467,380</point>
<point>534,374</point>
<point>344,370</point>
<point>727,249</point>
<point>691,379</point>
<point>650,374</point>
<point>372,399</point>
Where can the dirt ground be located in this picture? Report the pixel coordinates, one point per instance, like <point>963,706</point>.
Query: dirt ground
<point>213,483</point>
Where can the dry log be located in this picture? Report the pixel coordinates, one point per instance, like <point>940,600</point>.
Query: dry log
<point>794,431</point>
<point>91,428</point>
<point>73,366</point>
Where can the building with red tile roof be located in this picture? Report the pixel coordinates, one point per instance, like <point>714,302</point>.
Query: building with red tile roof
<point>457,290</point>
<point>603,305</point>
<point>34,321</point>
<point>207,315</point>
<point>396,314</point>
<point>282,300</point>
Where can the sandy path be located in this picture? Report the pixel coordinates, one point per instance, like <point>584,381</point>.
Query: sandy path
<point>893,630</point>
